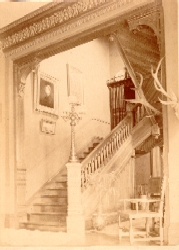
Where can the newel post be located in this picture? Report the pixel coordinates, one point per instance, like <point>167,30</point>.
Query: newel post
<point>75,218</point>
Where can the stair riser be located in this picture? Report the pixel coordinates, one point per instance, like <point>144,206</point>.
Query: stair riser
<point>61,192</point>
<point>46,217</point>
<point>57,185</point>
<point>60,179</point>
<point>43,228</point>
<point>51,209</point>
<point>61,201</point>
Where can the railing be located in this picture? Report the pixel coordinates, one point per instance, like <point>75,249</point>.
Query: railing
<point>108,147</point>
<point>138,113</point>
<point>105,150</point>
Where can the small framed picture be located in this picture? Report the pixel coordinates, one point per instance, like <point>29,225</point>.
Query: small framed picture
<point>46,93</point>
<point>75,85</point>
<point>48,127</point>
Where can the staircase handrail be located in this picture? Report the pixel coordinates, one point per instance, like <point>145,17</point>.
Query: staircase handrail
<point>104,151</point>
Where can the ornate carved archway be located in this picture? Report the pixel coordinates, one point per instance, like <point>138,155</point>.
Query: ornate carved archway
<point>52,29</point>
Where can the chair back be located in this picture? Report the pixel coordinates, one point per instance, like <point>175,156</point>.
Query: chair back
<point>156,189</point>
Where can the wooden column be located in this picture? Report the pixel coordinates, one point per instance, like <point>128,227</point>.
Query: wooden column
<point>171,124</point>
<point>7,148</point>
<point>2,143</point>
<point>20,75</point>
<point>156,162</point>
<point>20,162</point>
<point>75,218</point>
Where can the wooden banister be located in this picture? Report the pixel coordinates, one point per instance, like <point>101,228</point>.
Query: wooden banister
<point>106,149</point>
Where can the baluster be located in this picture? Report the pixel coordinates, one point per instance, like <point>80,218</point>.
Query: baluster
<point>117,140</point>
<point>89,168</point>
<point>92,166</point>
<point>102,156</point>
<point>112,145</point>
<point>82,179</point>
<point>96,163</point>
<point>98,160</point>
<point>85,175</point>
<point>107,150</point>
<point>126,132</point>
<point>122,135</point>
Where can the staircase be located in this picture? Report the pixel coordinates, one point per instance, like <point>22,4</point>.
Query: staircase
<point>49,209</point>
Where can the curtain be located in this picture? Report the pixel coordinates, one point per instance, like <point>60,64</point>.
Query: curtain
<point>118,92</point>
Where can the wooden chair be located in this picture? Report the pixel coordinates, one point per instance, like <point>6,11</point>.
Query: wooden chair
<point>146,214</point>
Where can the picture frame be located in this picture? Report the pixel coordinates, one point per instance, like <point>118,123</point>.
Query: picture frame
<point>75,85</point>
<point>46,94</point>
<point>48,127</point>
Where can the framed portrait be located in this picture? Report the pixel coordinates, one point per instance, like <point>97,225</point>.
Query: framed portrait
<point>46,93</point>
<point>75,85</point>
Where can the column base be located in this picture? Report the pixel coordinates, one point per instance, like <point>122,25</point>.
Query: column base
<point>11,221</point>
<point>173,230</point>
<point>76,224</point>
<point>2,221</point>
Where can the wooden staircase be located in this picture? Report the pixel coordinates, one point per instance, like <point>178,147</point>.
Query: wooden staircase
<point>49,210</point>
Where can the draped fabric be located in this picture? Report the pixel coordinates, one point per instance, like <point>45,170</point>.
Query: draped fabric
<point>118,92</point>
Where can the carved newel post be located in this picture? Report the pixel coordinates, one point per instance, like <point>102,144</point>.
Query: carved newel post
<point>75,218</point>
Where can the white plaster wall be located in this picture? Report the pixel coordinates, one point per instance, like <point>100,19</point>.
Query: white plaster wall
<point>116,62</point>
<point>46,154</point>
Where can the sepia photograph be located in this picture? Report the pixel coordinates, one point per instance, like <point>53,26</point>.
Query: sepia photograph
<point>89,124</point>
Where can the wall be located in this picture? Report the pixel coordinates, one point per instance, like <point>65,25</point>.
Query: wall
<point>46,154</point>
<point>142,171</point>
<point>116,62</point>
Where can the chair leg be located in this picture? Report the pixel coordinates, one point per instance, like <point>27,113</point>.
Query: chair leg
<point>161,231</point>
<point>147,227</point>
<point>120,229</point>
<point>130,231</point>
<point>153,224</point>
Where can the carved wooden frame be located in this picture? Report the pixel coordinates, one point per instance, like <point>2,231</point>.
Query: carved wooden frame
<point>40,81</point>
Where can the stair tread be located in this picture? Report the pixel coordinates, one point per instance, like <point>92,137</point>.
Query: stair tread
<point>53,195</point>
<point>46,223</point>
<point>49,204</point>
<point>47,213</point>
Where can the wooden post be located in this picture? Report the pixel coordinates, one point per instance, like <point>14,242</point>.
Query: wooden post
<point>75,218</point>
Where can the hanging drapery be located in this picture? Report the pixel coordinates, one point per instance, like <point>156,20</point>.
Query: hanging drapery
<point>118,92</point>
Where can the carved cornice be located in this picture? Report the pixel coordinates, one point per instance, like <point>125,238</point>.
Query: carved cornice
<point>21,72</point>
<point>40,33</point>
<point>149,17</point>
<point>50,22</point>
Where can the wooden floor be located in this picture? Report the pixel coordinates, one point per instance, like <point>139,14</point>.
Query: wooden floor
<point>107,237</point>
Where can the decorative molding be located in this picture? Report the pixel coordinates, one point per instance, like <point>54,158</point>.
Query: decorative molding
<point>149,17</point>
<point>52,21</point>
<point>35,32</point>
<point>21,72</point>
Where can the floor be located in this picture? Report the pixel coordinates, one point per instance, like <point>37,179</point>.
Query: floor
<point>109,237</point>
<point>106,237</point>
